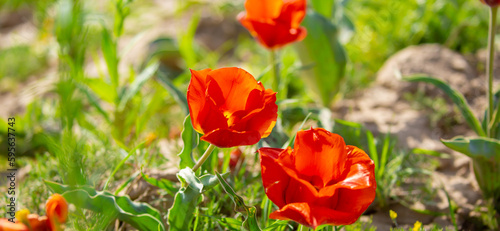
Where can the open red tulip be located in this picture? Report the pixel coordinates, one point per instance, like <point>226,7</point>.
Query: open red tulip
<point>491,3</point>
<point>274,23</point>
<point>321,181</point>
<point>230,108</point>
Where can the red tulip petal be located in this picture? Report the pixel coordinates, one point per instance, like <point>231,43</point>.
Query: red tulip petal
<point>263,9</point>
<point>235,84</point>
<point>255,103</point>
<point>358,185</point>
<point>9,226</point>
<point>299,190</point>
<point>354,201</point>
<point>313,216</point>
<point>255,99</point>
<point>299,212</point>
<point>245,22</point>
<point>360,170</point>
<point>320,153</point>
<point>324,215</point>
<point>265,120</point>
<point>273,153</point>
<point>196,96</point>
<point>40,223</point>
<point>287,186</point>
<point>262,120</point>
<point>211,117</point>
<point>292,12</point>
<point>275,35</point>
<point>225,138</point>
<point>274,178</point>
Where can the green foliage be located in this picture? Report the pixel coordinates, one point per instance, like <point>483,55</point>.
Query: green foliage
<point>480,147</point>
<point>392,165</point>
<point>140,215</point>
<point>187,198</point>
<point>324,7</point>
<point>483,151</point>
<point>250,223</point>
<point>361,225</point>
<point>385,27</point>
<point>485,154</point>
<point>179,96</point>
<point>190,141</point>
<point>166,185</point>
<point>92,132</point>
<point>456,97</point>
<point>20,62</point>
<point>323,51</point>
<point>137,84</point>
<point>121,163</point>
<point>186,43</point>
<point>70,154</point>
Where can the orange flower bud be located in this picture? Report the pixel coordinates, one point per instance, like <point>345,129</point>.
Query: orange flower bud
<point>57,211</point>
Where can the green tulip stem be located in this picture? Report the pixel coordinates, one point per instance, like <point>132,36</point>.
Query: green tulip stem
<point>276,71</point>
<point>489,68</point>
<point>302,228</point>
<point>204,157</point>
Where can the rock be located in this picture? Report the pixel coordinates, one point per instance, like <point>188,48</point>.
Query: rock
<point>432,60</point>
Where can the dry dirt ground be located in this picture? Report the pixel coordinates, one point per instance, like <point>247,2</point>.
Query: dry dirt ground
<point>382,107</point>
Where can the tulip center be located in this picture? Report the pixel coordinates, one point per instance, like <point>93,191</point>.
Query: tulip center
<point>316,182</point>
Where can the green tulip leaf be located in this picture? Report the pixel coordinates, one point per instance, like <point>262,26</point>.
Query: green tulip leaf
<point>324,7</point>
<point>94,101</point>
<point>250,222</point>
<point>187,198</point>
<point>178,95</point>
<point>480,147</point>
<point>164,184</point>
<point>456,97</point>
<point>102,89</point>
<point>140,215</point>
<point>190,141</point>
<point>230,223</point>
<point>323,51</point>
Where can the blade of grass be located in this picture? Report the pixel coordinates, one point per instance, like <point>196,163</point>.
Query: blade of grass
<point>385,152</point>
<point>121,164</point>
<point>130,179</point>
<point>136,86</point>
<point>456,97</point>
<point>373,150</point>
<point>292,139</point>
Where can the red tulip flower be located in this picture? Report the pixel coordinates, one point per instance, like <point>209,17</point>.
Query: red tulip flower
<point>57,213</point>
<point>274,23</point>
<point>491,3</point>
<point>230,108</point>
<point>321,181</point>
